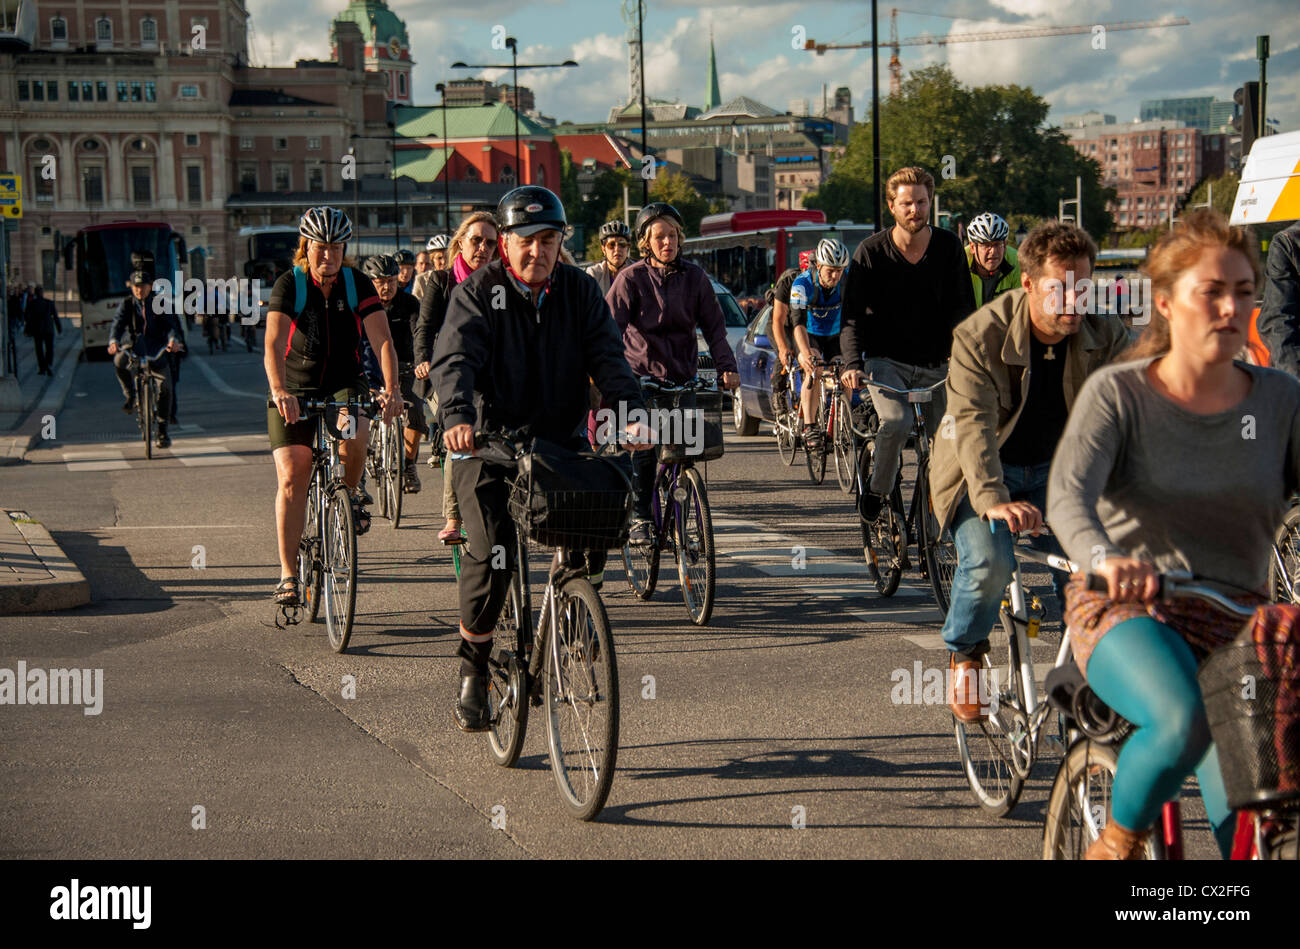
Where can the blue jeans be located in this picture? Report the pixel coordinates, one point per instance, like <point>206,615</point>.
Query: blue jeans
<point>985,561</point>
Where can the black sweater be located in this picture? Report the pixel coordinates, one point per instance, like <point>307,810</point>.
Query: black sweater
<point>515,365</point>
<point>903,311</point>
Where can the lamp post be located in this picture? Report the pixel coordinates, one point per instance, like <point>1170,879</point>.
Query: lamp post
<point>446,166</point>
<point>515,67</point>
<point>392,144</point>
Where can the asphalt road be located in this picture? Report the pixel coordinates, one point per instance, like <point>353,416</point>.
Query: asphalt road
<point>222,736</point>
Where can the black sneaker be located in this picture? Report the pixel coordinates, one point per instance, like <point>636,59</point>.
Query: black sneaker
<point>470,710</point>
<point>872,504</point>
<point>639,535</point>
<point>163,439</point>
<point>411,480</point>
<point>129,405</point>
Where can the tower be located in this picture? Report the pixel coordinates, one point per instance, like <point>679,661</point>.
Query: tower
<point>714,97</point>
<point>388,48</point>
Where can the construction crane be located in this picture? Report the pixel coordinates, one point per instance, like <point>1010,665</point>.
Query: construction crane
<point>896,66</point>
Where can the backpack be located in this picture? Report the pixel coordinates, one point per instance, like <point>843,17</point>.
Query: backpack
<point>300,289</point>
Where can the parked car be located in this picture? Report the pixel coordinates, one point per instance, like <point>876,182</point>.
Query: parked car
<point>737,326</point>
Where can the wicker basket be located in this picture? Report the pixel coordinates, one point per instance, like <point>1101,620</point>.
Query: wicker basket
<point>673,448</point>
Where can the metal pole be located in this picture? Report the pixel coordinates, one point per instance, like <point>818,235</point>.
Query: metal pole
<point>640,39</point>
<point>4,302</point>
<point>514,60</point>
<point>1261,51</point>
<point>446,171</point>
<point>356,203</point>
<point>397,209</point>
<point>1078,201</point>
<point>875,120</point>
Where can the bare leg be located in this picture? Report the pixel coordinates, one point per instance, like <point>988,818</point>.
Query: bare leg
<point>292,468</point>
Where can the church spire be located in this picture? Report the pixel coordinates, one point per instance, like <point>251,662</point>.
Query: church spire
<point>714,97</point>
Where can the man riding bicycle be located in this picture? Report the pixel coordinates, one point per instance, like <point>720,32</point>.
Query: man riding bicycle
<point>994,267</point>
<point>402,309</point>
<point>1017,365</point>
<point>522,336</point>
<point>151,332</point>
<point>815,316</point>
<point>906,291</point>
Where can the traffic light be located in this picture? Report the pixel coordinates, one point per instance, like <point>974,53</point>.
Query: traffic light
<point>1247,123</point>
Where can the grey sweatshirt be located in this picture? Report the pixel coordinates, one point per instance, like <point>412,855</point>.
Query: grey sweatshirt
<point>1135,475</point>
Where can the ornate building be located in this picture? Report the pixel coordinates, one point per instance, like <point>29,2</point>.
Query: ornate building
<point>388,48</point>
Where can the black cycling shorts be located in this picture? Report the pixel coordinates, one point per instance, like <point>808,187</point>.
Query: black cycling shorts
<point>414,404</point>
<point>303,431</point>
<point>829,345</point>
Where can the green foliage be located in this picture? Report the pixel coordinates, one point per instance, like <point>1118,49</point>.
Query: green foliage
<point>1001,158</point>
<point>677,190</point>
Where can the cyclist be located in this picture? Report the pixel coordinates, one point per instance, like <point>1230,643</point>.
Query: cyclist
<point>994,267</point>
<point>1156,473</point>
<point>1017,364</point>
<point>779,297</point>
<point>1278,323</point>
<point>406,270</point>
<point>521,365</point>
<point>437,248</point>
<point>815,315</point>
<point>313,349</point>
<point>615,239</point>
<point>473,245</point>
<point>150,332</point>
<point>402,310</point>
<point>658,302</point>
<point>906,291</point>
<point>434,255</point>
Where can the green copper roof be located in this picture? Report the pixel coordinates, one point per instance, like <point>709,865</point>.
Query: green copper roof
<point>422,164</point>
<point>476,121</point>
<point>377,22</point>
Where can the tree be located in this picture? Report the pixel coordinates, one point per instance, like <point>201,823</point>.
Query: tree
<point>675,188</point>
<point>986,147</point>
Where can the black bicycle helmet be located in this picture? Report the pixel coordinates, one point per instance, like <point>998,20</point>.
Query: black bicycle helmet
<point>325,225</point>
<point>530,209</point>
<point>380,266</point>
<point>614,229</point>
<point>653,212</point>
<point>405,257</point>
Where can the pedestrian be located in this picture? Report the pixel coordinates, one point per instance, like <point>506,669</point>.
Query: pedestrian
<point>42,322</point>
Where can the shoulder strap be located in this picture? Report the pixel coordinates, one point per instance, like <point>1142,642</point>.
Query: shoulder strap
<point>299,289</point>
<point>350,285</point>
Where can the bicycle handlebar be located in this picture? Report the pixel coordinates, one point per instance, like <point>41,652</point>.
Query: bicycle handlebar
<point>1179,586</point>
<point>888,388</point>
<point>365,404</point>
<point>694,385</point>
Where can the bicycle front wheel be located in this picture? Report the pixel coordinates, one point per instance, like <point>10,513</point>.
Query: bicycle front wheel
<point>507,682</point>
<point>786,446</point>
<point>1287,549</point>
<point>340,568</point>
<point>986,746</point>
<point>815,453</point>
<point>846,462</point>
<point>938,550</point>
<point>696,566</point>
<point>395,457</point>
<point>581,692</point>
<point>1078,806</point>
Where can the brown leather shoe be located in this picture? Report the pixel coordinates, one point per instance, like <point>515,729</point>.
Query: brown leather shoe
<point>1118,843</point>
<point>964,690</point>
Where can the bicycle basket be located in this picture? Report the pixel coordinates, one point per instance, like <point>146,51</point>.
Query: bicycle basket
<point>561,498</point>
<point>1252,699</point>
<point>686,433</point>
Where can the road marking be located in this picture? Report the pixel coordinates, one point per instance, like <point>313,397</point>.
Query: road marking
<point>220,384</point>
<point>208,456</point>
<point>96,459</point>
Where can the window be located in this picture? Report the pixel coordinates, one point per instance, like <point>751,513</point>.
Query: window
<point>101,90</point>
<point>103,32</point>
<point>541,176</point>
<point>54,90</point>
<point>87,92</point>
<point>315,178</point>
<point>313,143</point>
<point>42,186</point>
<point>281,178</point>
<point>58,32</point>
<point>92,179</point>
<point>137,92</point>
<point>247,179</point>
<point>281,143</point>
<point>507,176</point>
<point>141,184</point>
<point>150,92</point>
<point>189,92</point>
<point>122,93</point>
<point>401,84</point>
<point>149,32</point>
<point>246,143</point>
<point>139,145</point>
<point>23,93</point>
<point>191,140</point>
<point>194,183</point>
<point>90,145</point>
<point>38,90</point>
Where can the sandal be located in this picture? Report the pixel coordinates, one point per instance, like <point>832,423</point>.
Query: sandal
<point>287,592</point>
<point>360,516</point>
<point>451,536</point>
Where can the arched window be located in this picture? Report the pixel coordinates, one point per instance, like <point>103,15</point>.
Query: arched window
<point>104,31</point>
<point>58,32</point>
<point>507,176</point>
<point>149,32</point>
<point>401,84</point>
<point>471,173</point>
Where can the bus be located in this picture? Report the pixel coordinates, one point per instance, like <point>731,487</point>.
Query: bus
<point>101,255</point>
<point>746,251</point>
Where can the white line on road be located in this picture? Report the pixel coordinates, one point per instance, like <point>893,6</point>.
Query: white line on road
<point>220,384</point>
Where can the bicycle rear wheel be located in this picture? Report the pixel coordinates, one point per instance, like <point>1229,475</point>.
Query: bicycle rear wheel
<point>507,682</point>
<point>786,446</point>
<point>1287,542</point>
<point>147,420</point>
<point>394,461</point>
<point>696,566</point>
<point>309,555</point>
<point>844,446</point>
<point>581,691</point>
<point>1078,806</point>
<point>985,747</point>
<point>340,568</point>
<point>938,550</point>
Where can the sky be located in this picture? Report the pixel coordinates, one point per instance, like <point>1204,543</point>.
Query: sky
<point>754,43</point>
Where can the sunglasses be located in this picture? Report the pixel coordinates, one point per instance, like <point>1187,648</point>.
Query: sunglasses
<point>615,242</point>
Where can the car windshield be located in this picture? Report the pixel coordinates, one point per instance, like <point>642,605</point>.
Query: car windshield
<point>731,311</point>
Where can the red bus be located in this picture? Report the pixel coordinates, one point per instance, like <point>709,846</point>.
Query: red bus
<point>746,251</point>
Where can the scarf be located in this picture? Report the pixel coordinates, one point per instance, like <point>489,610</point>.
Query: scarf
<point>459,269</point>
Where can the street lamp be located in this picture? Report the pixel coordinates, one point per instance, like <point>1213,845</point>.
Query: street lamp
<point>446,165</point>
<point>515,67</point>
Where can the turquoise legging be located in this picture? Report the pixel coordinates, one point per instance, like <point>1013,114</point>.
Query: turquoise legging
<point>1146,672</point>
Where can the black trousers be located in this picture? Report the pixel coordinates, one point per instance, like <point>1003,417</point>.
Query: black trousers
<point>163,368</point>
<point>44,351</point>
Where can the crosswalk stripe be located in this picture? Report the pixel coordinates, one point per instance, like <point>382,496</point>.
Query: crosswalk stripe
<point>215,456</point>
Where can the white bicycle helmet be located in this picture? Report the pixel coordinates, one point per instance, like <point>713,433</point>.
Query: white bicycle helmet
<point>326,225</point>
<point>437,242</point>
<point>831,253</point>
<point>987,228</point>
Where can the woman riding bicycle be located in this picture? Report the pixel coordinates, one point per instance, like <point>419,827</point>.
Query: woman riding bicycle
<point>815,316</point>
<point>473,245</point>
<point>658,302</point>
<point>313,350</point>
<point>1182,459</point>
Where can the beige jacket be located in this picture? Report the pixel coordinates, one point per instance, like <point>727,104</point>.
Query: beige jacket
<point>988,381</point>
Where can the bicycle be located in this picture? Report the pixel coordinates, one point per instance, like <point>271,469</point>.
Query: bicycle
<point>386,459</point>
<point>567,662</point>
<point>146,383</point>
<point>327,550</point>
<point>1267,821</point>
<point>1284,567</point>
<point>886,539</point>
<point>997,753</point>
<point>680,517</point>
<point>832,425</point>
<point>786,425</point>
